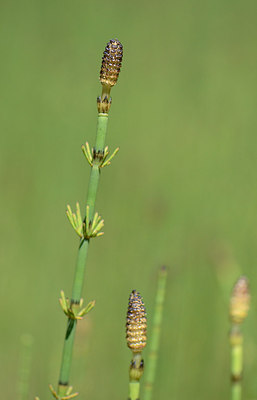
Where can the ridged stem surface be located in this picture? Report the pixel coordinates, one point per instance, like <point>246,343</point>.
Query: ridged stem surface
<point>155,334</point>
<point>81,260</point>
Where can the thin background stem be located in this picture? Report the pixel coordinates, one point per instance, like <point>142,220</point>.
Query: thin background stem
<point>155,336</point>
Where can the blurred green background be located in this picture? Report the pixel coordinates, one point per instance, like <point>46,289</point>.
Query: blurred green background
<point>181,192</point>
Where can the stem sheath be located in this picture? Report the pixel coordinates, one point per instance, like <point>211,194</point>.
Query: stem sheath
<point>135,374</point>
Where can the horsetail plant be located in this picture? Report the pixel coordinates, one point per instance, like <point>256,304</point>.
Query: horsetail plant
<point>136,328</point>
<point>91,225</point>
<point>155,333</point>
<point>239,307</point>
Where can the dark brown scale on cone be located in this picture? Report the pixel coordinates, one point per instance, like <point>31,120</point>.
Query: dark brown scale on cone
<point>111,63</point>
<point>136,323</point>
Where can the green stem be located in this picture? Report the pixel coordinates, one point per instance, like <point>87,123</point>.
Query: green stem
<point>134,390</point>
<point>236,342</point>
<point>81,259</point>
<point>156,330</point>
<point>101,131</point>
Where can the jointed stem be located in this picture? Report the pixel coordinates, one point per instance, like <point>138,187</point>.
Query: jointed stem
<point>155,336</point>
<point>81,258</point>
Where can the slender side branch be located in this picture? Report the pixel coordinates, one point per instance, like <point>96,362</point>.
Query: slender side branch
<point>155,335</point>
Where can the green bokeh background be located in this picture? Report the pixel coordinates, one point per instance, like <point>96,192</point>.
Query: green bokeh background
<point>181,192</point>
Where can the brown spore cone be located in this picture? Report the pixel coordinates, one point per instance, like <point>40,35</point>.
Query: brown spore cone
<point>136,326</point>
<point>111,63</point>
